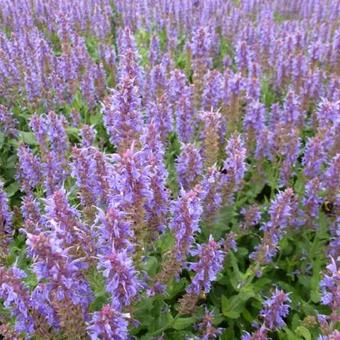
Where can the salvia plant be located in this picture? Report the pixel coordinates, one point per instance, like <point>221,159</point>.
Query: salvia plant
<point>170,169</point>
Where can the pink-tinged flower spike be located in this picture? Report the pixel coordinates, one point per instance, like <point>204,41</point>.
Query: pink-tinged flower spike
<point>157,207</point>
<point>282,214</point>
<point>286,145</point>
<point>234,167</point>
<point>7,122</point>
<point>189,166</point>
<point>156,84</point>
<point>80,170</point>
<point>5,221</point>
<point>251,216</point>
<point>131,186</point>
<point>206,327</point>
<point>88,136</point>
<point>330,290</point>
<point>211,136</point>
<point>211,185</point>
<point>62,295</point>
<point>210,262</point>
<point>29,168</point>
<point>233,86</point>
<point>108,324</point>
<point>122,114</point>
<point>129,59</point>
<point>120,276</point>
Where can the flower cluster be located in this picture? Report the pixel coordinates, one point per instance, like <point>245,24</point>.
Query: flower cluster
<point>164,164</point>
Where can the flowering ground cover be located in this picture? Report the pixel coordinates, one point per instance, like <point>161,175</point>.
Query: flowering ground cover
<point>170,169</point>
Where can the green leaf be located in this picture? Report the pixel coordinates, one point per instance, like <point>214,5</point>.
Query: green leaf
<point>183,323</point>
<point>151,265</point>
<point>12,189</point>
<point>164,321</point>
<point>234,306</point>
<point>290,335</point>
<point>238,276</point>
<point>27,138</point>
<point>175,287</point>
<point>96,119</point>
<point>2,139</point>
<point>304,332</point>
<point>72,131</point>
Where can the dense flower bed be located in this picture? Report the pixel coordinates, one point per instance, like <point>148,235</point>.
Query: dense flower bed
<point>170,169</point>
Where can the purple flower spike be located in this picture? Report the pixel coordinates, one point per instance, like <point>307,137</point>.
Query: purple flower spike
<point>276,308</point>
<point>5,213</point>
<point>63,218</point>
<point>121,277</point>
<point>108,324</point>
<point>254,122</point>
<point>331,180</point>
<point>186,212</point>
<point>122,114</point>
<point>33,220</point>
<point>211,136</point>
<point>234,166</point>
<point>114,229</point>
<point>16,298</point>
<point>88,135</point>
<point>189,166</point>
<point>61,283</point>
<point>29,171</point>
<point>330,288</point>
<point>185,117</point>
<point>209,265</point>
<point>282,212</point>
<point>207,328</point>
<point>5,220</point>
<point>7,122</point>
<point>212,192</point>
<point>314,157</point>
